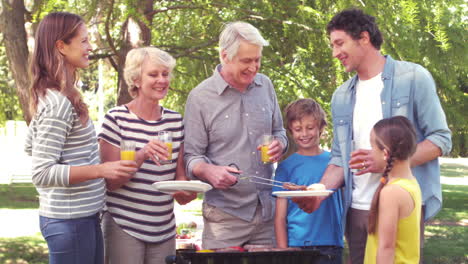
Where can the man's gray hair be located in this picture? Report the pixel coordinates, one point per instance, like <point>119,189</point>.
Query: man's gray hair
<point>233,33</point>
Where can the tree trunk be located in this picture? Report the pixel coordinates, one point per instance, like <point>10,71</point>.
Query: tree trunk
<point>14,34</point>
<point>123,96</point>
<point>146,9</point>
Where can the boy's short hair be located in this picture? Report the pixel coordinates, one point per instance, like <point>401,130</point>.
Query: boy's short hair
<point>354,21</point>
<point>303,107</point>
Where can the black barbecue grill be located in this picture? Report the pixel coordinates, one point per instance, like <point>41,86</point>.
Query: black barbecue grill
<point>190,256</point>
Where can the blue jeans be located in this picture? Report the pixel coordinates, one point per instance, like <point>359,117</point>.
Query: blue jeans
<point>73,241</point>
<point>329,254</point>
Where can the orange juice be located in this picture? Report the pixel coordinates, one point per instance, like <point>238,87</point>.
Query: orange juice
<point>127,155</point>
<point>265,156</point>
<point>169,150</point>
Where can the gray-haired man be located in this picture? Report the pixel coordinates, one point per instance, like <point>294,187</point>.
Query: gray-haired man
<point>225,117</point>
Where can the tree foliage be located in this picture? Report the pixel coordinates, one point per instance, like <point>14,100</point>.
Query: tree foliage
<point>298,60</point>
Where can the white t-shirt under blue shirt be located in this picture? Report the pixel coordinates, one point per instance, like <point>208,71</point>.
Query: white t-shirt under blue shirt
<point>322,227</point>
<point>367,112</point>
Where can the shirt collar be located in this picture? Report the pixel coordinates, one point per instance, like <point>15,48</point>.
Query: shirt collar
<point>388,67</point>
<point>386,73</point>
<point>222,85</point>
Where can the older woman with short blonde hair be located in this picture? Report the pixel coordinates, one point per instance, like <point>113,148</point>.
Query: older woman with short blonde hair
<point>134,62</point>
<point>139,223</point>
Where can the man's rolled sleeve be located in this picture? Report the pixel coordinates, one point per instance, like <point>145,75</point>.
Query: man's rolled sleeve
<point>430,115</point>
<point>196,136</point>
<point>191,162</point>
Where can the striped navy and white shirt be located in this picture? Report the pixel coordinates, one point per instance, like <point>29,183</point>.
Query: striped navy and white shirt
<point>137,207</point>
<point>56,140</point>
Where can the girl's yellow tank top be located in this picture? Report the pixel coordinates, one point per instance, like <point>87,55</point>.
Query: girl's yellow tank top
<point>408,230</point>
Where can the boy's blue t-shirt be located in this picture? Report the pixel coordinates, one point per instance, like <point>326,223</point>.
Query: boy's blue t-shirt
<point>322,227</point>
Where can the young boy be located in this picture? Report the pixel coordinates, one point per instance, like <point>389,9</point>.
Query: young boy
<point>322,229</point>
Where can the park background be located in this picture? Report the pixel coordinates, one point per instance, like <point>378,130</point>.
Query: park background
<point>298,60</point>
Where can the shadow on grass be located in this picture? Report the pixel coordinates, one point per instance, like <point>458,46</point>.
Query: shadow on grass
<point>23,250</point>
<point>446,244</point>
<point>453,170</point>
<point>454,203</point>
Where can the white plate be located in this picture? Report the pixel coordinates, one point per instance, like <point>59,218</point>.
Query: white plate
<point>301,193</point>
<point>174,186</point>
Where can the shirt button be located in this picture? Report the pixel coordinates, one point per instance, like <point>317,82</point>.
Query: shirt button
<point>253,153</point>
<point>398,104</point>
<point>227,116</point>
<point>256,172</point>
<point>383,102</point>
<point>247,114</point>
<point>250,133</point>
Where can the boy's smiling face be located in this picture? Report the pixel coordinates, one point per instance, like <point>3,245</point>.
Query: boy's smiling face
<point>306,133</point>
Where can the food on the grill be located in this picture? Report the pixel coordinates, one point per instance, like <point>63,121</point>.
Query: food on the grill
<point>268,249</point>
<point>260,249</point>
<point>287,249</point>
<point>294,187</point>
<point>316,187</point>
<point>230,249</point>
<point>257,248</point>
<point>205,251</point>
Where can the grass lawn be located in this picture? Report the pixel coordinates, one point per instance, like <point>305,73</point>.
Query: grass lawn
<point>455,203</point>
<point>18,196</point>
<point>445,243</point>
<point>23,250</point>
<point>454,169</point>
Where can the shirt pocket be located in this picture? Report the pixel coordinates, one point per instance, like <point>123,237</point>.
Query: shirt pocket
<point>223,127</point>
<point>260,120</point>
<point>400,106</point>
<point>341,126</point>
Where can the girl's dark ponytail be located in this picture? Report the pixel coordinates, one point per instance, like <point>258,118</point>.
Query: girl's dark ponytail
<point>374,210</point>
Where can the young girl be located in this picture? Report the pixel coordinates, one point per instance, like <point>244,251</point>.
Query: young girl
<point>396,207</point>
<point>63,144</point>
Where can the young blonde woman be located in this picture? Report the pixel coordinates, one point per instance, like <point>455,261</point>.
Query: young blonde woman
<point>63,144</point>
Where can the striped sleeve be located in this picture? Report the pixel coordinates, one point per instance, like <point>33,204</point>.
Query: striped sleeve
<point>110,130</point>
<point>51,129</point>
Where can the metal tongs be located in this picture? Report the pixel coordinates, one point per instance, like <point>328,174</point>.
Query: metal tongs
<point>255,179</point>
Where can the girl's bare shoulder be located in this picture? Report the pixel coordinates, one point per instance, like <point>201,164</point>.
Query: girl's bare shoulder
<point>394,192</point>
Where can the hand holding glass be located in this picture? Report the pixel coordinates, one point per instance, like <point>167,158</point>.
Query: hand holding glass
<point>166,138</point>
<point>127,150</point>
<point>267,139</point>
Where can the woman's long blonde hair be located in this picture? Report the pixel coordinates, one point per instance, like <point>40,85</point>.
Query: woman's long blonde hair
<point>48,65</point>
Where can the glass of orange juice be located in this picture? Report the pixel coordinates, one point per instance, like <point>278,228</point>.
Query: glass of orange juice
<point>267,139</point>
<point>127,150</point>
<point>354,147</point>
<point>166,138</point>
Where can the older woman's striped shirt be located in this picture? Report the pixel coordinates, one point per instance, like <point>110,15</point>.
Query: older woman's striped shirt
<point>137,207</point>
<point>56,140</point>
